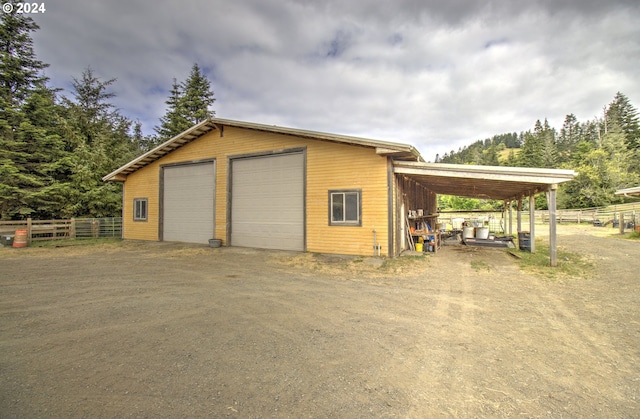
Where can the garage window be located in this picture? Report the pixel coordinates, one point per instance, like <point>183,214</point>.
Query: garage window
<point>140,209</point>
<point>345,207</point>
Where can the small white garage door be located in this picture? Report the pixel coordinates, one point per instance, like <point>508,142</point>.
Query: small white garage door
<point>188,202</point>
<point>267,202</point>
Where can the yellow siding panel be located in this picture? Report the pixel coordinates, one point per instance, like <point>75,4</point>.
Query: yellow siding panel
<point>329,166</point>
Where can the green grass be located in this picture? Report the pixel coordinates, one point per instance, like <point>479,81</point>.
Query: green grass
<point>634,235</point>
<point>480,265</point>
<point>569,265</point>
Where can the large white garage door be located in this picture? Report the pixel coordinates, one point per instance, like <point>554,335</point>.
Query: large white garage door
<point>188,203</point>
<point>267,202</point>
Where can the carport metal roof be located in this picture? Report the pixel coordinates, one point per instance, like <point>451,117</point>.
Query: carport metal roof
<point>628,191</point>
<point>486,182</point>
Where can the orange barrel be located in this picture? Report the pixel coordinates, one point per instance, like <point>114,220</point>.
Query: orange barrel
<point>20,240</point>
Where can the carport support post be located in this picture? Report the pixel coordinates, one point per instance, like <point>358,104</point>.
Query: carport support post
<point>519,214</point>
<point>505,217</point>
<point>553,254</point>
<point>510,218</point>
<point>532,222</point>
<point>621,224</point>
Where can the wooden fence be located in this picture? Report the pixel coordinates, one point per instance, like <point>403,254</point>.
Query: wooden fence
<point>611,214</point>
<point>601,216</point>
<point>74,228</point>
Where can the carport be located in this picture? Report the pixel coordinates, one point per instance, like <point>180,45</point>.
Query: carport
<point>629,192</point>
<point>508,184</point>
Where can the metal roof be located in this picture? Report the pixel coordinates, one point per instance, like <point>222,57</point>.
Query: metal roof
<point>385,148</point>
<point>629,191</point>
<point>490,182</point>
<point>487,182</point>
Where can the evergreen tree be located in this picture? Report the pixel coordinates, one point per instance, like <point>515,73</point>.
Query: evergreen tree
<point>601,171</point>
<point>591,132</point>
<point>531,153</point>
<point>91,110</point>
<point>539,149</point>
<point>188,104</point>
<point>20,76</point>
<point>570,134</point>
<point>512,159</point>
<point>20,70</point>
<point>50,158</point>
<point>622,113</point>
<point>174,121</point>
<point>512,141</point>
<point>490,156</point>
<point>548,134</point>
<point>604,151</point>
<point>143,142</point>
<point>102,141</point>
<point>198,96</point>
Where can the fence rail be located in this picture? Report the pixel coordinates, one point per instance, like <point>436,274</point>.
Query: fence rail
<point>74,228</point>
<point>601,216</point>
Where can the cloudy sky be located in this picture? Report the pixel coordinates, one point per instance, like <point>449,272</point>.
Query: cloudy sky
<point>435,74</point>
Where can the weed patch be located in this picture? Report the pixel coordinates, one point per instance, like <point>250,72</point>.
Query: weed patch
<point>74,242</point>
<point>569,265</point>
<point>480,265</point>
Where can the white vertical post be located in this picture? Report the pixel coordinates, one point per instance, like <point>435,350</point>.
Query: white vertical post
<point>504,217</point>
<point>532,222</point>
<point>519,214</point>
<point>553,254</point>
<point>510,218</point>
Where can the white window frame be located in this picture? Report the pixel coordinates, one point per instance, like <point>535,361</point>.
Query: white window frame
<point>340,197</point>
<point>140,209</point>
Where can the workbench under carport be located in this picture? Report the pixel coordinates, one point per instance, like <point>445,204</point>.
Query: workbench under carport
<point>509,184</point>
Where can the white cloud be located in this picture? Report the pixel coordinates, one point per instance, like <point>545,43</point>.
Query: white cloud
<point>438,75</point>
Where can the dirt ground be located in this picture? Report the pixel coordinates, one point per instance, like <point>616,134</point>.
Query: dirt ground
<point>164,330</point>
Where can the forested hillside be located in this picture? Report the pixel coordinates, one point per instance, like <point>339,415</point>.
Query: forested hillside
<point>604,151</point>
<point>55,147</point>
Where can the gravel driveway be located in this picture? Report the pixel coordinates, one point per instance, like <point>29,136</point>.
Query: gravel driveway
<point>169,330</point>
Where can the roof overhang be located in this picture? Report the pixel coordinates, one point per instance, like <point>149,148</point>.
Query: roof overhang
<point>628,191</point>
<point>384,148</point>
<point>120,174</point>
<point>485,182</point>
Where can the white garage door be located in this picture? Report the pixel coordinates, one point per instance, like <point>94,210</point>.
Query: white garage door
<point>188,203</point>
<point>267,202</point>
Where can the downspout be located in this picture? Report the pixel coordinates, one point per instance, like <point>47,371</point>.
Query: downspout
<point>391,219</point>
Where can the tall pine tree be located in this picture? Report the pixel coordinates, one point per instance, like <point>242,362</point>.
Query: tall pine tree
<point>50,157</point>
<point>570,135</point>
<point>188,104</point>
<point>20,70</point>
<point>20,76</point>
<point>174,121</point>
<point>102,141</point>
<point>622,113</point>
<point>198,96</point>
